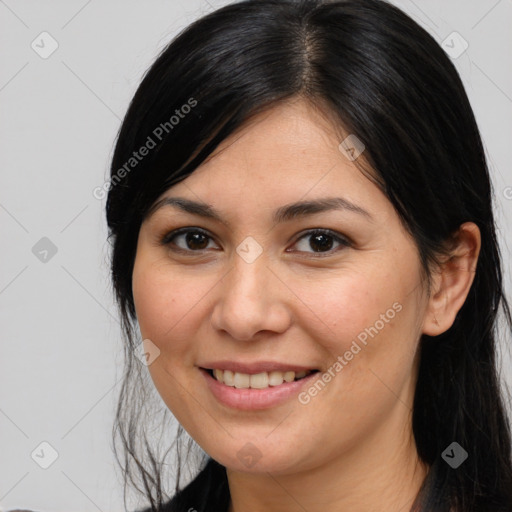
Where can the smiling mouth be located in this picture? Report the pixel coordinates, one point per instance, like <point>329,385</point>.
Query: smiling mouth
<point>260,380</point>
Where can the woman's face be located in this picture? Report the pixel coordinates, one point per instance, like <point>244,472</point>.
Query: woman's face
<point>259,291</point>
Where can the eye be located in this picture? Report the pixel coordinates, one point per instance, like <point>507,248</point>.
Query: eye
<point>322,241</point>
<point>192,239</point>
<point>197,240</point>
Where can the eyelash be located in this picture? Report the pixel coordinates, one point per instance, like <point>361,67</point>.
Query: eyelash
<point>343,241</point>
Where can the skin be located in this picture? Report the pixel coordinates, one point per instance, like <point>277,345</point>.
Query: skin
<point>351,446</point>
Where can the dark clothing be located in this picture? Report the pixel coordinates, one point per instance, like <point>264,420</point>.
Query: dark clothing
<point>208,492</point>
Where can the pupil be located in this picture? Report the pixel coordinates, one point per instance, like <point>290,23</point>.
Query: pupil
<point>317,240</point>
<point>195,238</point>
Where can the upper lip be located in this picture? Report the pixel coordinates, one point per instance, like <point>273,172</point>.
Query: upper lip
<point>254,367</point>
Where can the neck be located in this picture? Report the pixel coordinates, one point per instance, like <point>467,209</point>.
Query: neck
<point>384,475</point>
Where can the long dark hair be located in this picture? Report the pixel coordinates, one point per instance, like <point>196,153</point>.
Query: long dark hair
<point>386,80</point>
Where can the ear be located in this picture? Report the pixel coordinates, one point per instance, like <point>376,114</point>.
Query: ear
<point>451,283</point>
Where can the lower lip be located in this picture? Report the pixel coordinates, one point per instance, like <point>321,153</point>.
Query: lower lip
<point>255,399</point>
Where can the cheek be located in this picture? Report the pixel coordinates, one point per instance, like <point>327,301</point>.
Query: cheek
<point>368,325</point>
<point>364,319</point>
<point>167,304</point>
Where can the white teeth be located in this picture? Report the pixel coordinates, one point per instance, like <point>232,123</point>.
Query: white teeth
<point>275,378</point>
<point>241,380</point>
<point>227,377</point>
<point>289,376</point>
<point>258,380</point>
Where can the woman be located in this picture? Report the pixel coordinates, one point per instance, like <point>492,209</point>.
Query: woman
<point>301,218</point>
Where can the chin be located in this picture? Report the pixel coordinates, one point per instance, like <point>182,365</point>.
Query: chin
<point>256,458</point>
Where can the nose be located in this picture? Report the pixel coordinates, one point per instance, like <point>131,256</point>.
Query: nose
<point>251,299</point>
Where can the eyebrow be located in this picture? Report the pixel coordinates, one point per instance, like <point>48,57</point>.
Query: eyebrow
<point>283,214</point>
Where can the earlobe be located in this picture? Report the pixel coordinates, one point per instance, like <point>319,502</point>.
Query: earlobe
<point>453,280</point>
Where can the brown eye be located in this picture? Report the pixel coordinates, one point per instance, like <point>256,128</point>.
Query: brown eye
<point>321,241</point>
<point>195,240</point>
<point>188,239</point>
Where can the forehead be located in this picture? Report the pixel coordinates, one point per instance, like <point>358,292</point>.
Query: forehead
<point>291,148</point>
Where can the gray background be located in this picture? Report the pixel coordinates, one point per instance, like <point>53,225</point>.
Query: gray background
<point>60,340</point>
